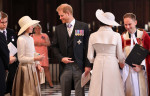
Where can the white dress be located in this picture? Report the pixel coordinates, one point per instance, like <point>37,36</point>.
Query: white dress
<point>26,81</point>
<point>106,78</point>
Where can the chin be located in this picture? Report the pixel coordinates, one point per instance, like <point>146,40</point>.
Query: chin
<point>63,22</point>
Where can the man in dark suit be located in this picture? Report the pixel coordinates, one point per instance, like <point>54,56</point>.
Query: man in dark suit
<point>70,48</point>
<point>10,36</point>
<point>4,61</point>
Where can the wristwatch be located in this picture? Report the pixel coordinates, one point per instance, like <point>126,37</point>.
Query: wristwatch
<point>143,67</point>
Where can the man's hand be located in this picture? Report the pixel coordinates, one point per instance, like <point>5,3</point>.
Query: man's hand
<point>137,68</point>
<point>87,70</point>
<point>12,59</point>
<point>66,60</point>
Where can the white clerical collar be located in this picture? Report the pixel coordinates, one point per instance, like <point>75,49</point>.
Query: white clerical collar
<point>133,40</point>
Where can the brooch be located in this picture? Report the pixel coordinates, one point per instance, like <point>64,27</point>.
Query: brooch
<point>42,37</point>
<point>79,42</point>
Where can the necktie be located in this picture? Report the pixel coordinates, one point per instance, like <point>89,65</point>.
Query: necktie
<point>4,32</point>
<point>69,29</point>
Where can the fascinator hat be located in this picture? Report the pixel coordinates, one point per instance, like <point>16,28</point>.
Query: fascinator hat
<point>26,22</point>
<point>107,18</point>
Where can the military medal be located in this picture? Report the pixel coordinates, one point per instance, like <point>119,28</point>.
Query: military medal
<point>79,32</point>
<point>79,42</point>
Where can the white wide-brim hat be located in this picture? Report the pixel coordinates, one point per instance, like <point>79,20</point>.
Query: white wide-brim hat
<point>107,18</point>
<point>26,22</point>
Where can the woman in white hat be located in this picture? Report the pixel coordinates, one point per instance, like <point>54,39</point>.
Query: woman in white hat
<point>106,78</point>
<point>26,80</point>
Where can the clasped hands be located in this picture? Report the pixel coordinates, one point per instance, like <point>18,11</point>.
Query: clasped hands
<point>39,44</point>
<point>39,57</point>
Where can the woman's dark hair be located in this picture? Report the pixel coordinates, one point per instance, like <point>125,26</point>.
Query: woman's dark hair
<point>21,34</point>
<point>102,24</point>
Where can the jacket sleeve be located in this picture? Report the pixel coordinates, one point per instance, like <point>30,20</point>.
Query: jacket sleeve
<point>90,53</point>
<point>4,51</point>
<point>86,39</point>
<point>120,54</point>
<point>55,46</point>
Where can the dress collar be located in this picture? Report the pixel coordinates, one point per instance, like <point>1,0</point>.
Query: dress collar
<point>105,28</point>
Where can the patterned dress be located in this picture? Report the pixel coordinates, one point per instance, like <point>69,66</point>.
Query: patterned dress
<point>42,49</point>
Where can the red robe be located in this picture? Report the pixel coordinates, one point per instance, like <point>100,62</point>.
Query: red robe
<point>145,41</point>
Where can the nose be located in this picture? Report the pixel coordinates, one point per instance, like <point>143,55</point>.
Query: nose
<point>60,17</point>
<point>4,23</point>
<point>127,26</point>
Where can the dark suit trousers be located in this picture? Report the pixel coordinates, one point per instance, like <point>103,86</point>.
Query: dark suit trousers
<point>12,71</point>
<point>71,71</point>
<point>2,83</point>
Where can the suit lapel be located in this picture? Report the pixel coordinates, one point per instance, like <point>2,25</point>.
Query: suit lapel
<point>64,35</point>
<point>75,27</point>
<point>8,36</point>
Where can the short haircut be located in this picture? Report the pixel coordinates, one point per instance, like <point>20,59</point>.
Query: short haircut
<point>130,15</point>
<point>4,15</point>
<point>65,8</point>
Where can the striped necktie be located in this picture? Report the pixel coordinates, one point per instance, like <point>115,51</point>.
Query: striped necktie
<point>4,32</point>
<point>69,29</point>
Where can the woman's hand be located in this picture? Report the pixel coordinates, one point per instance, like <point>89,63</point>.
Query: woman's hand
<point>87,71</point>
<point>39,67</point>
<point>39,58</point>
<point>121,65</point>
<point>12,59</point>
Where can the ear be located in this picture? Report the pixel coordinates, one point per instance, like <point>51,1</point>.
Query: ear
<point>135,22</point>
<point>68,13</point>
